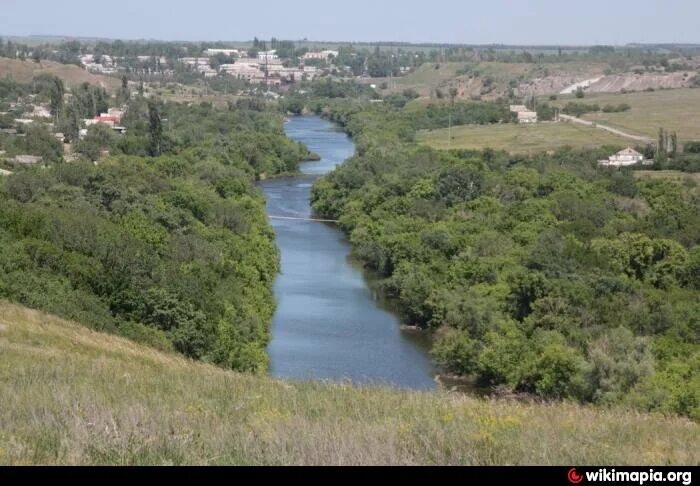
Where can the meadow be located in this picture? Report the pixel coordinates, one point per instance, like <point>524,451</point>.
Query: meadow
<point>71,395</point>
<point>673,109</point>
<point>522,139</point>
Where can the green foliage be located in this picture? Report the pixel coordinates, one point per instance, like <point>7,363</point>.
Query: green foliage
<point>174,251</point>
<point>578,109</point>
<point>546,274</point>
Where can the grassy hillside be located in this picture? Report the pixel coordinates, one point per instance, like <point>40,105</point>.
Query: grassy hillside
<point>24,71</point>
<point>526,139</point>
<point>673,109</point>
<point>493,79</point>
<point>74,396</point>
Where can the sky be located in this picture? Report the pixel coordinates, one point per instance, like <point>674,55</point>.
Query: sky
<point>524,22</point>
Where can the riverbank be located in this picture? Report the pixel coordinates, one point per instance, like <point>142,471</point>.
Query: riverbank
<point>330,323</point>
<point>75,396</point>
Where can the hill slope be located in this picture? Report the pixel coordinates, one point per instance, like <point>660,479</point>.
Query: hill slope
<point>71,75</point>
<point>72,395</point>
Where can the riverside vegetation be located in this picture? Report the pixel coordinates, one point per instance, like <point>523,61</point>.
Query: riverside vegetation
<point>166,241</point>
<point>543,274</point>
<point>540,274</point>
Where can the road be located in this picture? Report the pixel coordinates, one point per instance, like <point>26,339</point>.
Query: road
<point>637,138</point>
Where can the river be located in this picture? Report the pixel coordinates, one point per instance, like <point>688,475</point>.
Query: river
<point>329,323</point>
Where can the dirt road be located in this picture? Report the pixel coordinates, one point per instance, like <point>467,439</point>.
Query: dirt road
<point>637,138</point>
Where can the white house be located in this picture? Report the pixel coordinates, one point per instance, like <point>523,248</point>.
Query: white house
<point>626,157</point>
<point>264,56</point>
<point>323,55</point>
<point>225,52</point>
<point>525,115</point>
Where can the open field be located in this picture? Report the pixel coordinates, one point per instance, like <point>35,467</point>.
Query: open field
<point>674,175</point>
<point>74,396</point>
<point>525,139</point>
<point>489,80</point>
<point>71,75</point>
<point>674,109</point>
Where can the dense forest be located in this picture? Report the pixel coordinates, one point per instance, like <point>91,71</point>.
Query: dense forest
<point>165,241</point>
<point>543,274</point>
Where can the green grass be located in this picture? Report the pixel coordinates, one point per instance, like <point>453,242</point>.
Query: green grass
<point>674,175</point>
<point>526,139</point>
<point>70,395</point>
<point>673,109</point>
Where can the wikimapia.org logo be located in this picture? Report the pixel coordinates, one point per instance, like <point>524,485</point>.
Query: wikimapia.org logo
<point>636,477</point>
<point>574,477</point>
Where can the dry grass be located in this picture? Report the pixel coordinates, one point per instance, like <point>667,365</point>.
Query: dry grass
<point>674,175</point>
<point>69,395</point>
<point>24,71</point>
<point>673,109</point>
<point>525,139</point>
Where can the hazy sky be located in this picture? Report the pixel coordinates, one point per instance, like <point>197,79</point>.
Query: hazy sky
<point>465,21</point>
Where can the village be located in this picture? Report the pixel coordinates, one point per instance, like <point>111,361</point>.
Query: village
<point>263,67</point>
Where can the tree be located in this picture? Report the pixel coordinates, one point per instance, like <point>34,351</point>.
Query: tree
<point>56,97</point>
<point>453,95</point>
<point>155,129</point>
<point>619,361</point>
<point>99,137</point>
<point>579,93</point>
<point>674,144</point>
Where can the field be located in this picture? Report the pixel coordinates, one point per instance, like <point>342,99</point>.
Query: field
<point>525,139</point>
<point>74,396</point>
<point>490,80</point>
<point>674,175</point>
<point>673,109</point>
<point>71,75</point>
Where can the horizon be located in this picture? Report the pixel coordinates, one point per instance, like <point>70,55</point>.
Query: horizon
<point>539,23</point>
<point>381,42</point>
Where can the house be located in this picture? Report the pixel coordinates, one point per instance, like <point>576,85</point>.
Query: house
<point>26,159</point>
<point>102,118</point>
<point>265,56</point>
<point>525,115</point>
<point>322,55</point>
<point>624,158</point>
<point>40,112</point>
<point>225,52</point>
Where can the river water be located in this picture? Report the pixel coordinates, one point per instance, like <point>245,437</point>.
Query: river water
<point>330,324</point>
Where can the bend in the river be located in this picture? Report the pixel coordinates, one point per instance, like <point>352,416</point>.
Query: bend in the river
<point>329,323</point>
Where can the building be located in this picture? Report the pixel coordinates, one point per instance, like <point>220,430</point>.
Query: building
<point>225,52</point>
<point>266,56</point>
<point>102,118</point>
<point>322,55</point>
<point>40,112</point>
<point>625,158</point>
<point>525,115</point>
<point>26,159</point>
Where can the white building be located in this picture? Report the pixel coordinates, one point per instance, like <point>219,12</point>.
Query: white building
<point>264,56</point>
<point>323,55</point>
<point>624,158</point>
<point>225,52</point>
<point>525,115</point>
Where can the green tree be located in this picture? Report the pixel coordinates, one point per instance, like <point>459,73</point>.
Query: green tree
<point>155,129</point>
